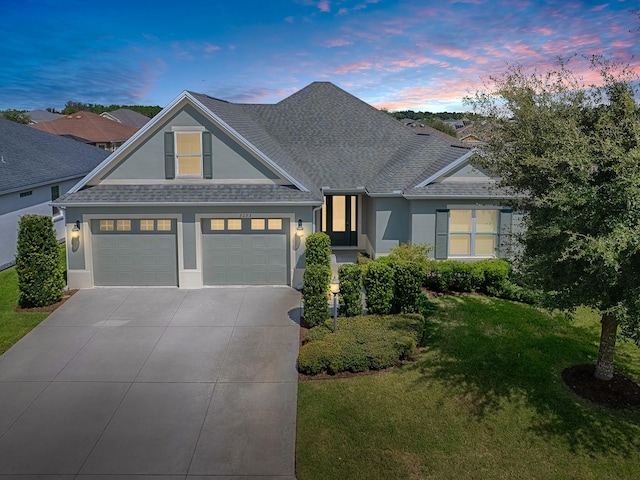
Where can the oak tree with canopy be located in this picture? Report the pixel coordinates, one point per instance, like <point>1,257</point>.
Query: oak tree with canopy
<point>569,153</point>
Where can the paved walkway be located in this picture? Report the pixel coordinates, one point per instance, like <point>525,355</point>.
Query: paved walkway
<point>165,383</point>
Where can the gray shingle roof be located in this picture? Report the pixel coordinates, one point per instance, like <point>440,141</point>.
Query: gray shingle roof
<point>181,194</point>
<point>460,189</point>
<point>37,116</point>
<point>29,157</point>
<point>326,134</point>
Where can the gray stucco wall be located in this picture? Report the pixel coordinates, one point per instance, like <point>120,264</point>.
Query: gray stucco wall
<point>12,207</point>
<point>230,161</point>
<point>468,171</point>
<point>391,221</point>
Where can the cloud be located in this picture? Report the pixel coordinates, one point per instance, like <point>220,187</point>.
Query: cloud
<point>208,48</point>
<point>337,42</point>
<point>597,8</point>
<point>324,6</point>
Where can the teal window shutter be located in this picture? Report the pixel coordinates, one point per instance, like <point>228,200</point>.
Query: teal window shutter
<point>169,156</point>
<point>207,155</point>
<point>504,234</point>
<point>442,234</point>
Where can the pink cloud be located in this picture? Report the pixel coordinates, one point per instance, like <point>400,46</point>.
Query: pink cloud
<point>208,48</point>
<point>324,6</point>
<point>353,67</point>
<point>597,8</point>
<point>337,42</point>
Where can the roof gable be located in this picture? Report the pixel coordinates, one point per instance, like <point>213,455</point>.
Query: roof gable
<point>232,141</point>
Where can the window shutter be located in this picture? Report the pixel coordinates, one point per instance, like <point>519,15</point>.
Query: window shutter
<point>169,156</point>
<point>442,234</point>
<point>504,233</point>
<point>207,155</point>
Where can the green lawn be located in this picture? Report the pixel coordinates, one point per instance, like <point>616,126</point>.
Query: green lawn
<point>14,325</point>
<point>483,401</point>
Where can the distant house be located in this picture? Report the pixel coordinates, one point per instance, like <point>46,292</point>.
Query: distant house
<point>36,168</point>
<point>455,123</point>
<point>127,117</point>
<point>89,128</point>
<point>38,116</point>
<point>212,192</point>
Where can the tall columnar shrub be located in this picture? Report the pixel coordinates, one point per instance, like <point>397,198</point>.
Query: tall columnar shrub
<point>378,284</point>
<point>315,292</point>
<point>40,280</point>
<point>318,249</point>
<point>407,279</point>
<point>350,276</point>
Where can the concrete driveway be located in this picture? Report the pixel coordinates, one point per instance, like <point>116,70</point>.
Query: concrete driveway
<point>159,382</point>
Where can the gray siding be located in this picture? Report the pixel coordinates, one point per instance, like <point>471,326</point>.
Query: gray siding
<point>230,161</point>
<point>12,207</point>
<point>468,171</point>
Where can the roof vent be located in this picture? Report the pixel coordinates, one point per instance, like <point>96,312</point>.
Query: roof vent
<point>78,116</point>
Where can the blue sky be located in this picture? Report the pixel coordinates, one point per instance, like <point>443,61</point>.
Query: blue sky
<point>396,54</point>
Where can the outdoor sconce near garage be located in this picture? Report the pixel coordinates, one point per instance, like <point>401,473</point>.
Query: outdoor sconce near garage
<point>300,229</point>
<point>75,236</point>
<point>75,231</point>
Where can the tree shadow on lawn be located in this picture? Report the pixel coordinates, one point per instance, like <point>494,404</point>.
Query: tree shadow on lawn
<point>489,352</point>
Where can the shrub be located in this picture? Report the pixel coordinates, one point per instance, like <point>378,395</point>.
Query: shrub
<point>315,291</point>
<point>412,252</point>
<point>40,279</point>
<point>494,272</point>
<point>350,289</point>
<point>318,249</point>
<point>361,343</point>
<point>378,284</point>
<point>407,280</point>
<point>455,275</point>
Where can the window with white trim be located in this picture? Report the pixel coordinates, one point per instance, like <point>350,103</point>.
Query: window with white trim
<point>188,154</point>
<point>473,233</point>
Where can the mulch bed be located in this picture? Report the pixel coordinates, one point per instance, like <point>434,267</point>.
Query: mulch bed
<point>617,393</point>
<point>49,308</point>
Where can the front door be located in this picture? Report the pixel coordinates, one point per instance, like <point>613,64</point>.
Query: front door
<point>340,220</point>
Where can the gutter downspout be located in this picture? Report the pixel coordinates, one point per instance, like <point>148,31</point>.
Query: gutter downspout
<point>313,213</point>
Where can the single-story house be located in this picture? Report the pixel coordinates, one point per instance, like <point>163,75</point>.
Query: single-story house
<point>36,168</point>
<point>91,128</point>
<point>211,192</point>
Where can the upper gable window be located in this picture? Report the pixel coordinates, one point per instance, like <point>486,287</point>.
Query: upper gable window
<point>188,154</point>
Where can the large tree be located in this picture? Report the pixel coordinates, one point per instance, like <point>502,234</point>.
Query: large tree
<point>570,154</point>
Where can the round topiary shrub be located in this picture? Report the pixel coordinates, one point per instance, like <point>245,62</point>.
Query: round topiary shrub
<point>40,280</point>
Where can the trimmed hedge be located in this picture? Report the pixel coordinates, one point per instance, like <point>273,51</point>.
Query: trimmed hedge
<point>40,279</point>
<point>315,292</point>
<point>407,280</point>
<point>378,284</point>
<point>350,276</point>
<point>361,343</point>
<point>318,249</point>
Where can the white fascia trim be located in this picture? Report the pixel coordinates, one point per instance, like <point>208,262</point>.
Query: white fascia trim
<point>455,197</point>
<point>385,195</point>
<point>189,204</point>
<point>448,169</point>
<point>245,143</point>
<point>163,113</point>
<point>41,184</point>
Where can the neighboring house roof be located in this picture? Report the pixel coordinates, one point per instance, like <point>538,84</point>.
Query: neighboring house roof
<point>127,116</point>
<point>29,158</point>
<point>88,126</point>
<point>319,137</point>
<point>38,116</point>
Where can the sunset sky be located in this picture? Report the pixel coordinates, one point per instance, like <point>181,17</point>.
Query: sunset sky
<point>396,54</point>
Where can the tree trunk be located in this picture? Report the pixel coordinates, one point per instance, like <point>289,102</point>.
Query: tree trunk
<point>604,367</point>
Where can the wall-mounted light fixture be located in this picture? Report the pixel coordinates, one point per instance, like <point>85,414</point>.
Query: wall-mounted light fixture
<point>75,231</point>
<point>300,229</point>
